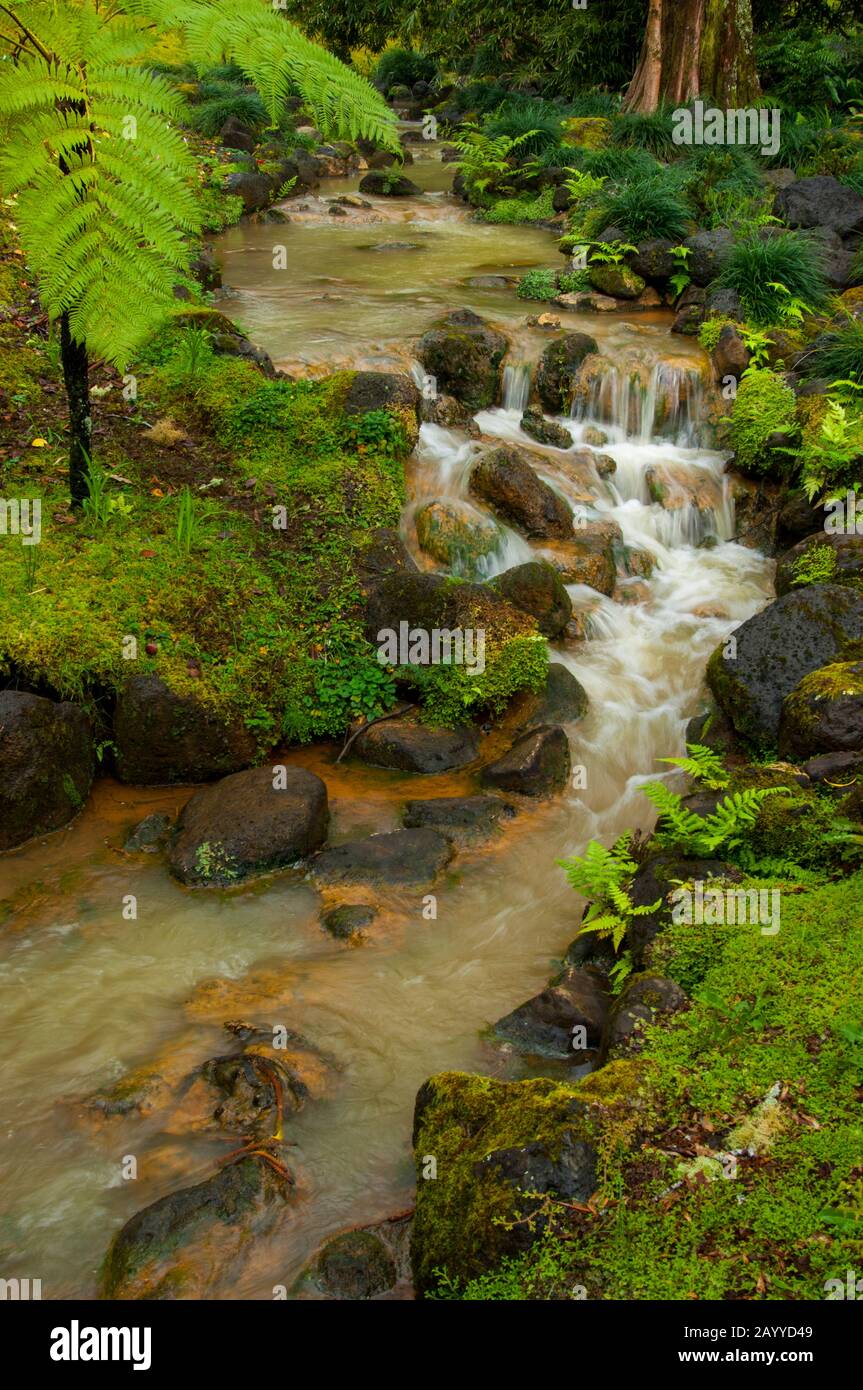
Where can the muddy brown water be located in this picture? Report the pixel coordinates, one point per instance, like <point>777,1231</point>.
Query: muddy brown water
<point>86,993</point>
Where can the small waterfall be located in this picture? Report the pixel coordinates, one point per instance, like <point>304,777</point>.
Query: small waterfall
<point>669,405</point>
<point>516,386</point>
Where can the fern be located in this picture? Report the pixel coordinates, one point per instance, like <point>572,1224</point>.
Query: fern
<point>702,764</point>
<point>735,815</point>
<point>604,875</point>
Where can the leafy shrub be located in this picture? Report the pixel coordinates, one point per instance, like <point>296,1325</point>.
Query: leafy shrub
<point>830,458</point>
<point>807,71</point>
<point>763,405</point>
<point>480,97</point>
<point>646,207</point>
<point>538,122</point>
<point>616,163</point>
<point>511,211</point>
<point>650,132</point>
<point>208,117</point>
<point>402,67</point>
<point>765,272</point>
<point>811,147</point>
<point>350,684</point>
<point>537,284</point>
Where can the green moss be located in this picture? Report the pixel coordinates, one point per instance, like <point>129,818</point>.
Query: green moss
<point>765,1010</point>
<point>763,406</point>
<point>817,565</point>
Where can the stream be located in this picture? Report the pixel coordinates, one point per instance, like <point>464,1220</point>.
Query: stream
<point>86,994</point>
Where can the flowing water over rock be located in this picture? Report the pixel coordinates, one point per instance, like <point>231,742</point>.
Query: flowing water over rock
<point>88,994</point>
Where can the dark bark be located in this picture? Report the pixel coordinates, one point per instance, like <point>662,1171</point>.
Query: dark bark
<point>695,48</point>
<point>73,355</point>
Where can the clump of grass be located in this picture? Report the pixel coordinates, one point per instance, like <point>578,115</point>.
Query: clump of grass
<point>646,207</point>
<point>767,271</point>
<point>650,132</point>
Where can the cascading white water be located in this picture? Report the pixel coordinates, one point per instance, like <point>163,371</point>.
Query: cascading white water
<point>516,386</point>
<point>670,404</point>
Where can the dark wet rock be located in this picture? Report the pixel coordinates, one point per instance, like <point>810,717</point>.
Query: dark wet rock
<point>237,345</point>
<point>824,712</point>
<point>348,920</point>
<point>653,260</point>
<point>355,1266</point>
<point>47,756</point>
<point>205,268</point>
<point>691,311</point>
<point>410,857</point>
<point>383,184</point>
<point>504,478</point>
<point>708,254</point>
<point>303,166</point>
<point>234,135</point>
<point>589,556</point>
<point>845,568</point>
<point>731,355</point>
<point>836,257</point>
<point>558,370</point>
<point>726,304</point>
<point>797,519</point>
<point>839,769</point>
<point>571,1173</point>
<point>431,602</point>
<point>562,700</point>
<point>243,1090</point>
<point>820,201</point>
<point>488,282</point>
<point>177,1246</point>
<point>256,190</point>
<point>409,746</point>
<point>537,764</point>
<point>537,588</point>
<point>380,391</point>
<point>245,825</point>
<point>774,650</point>
<point>643,999</point>
<point>148,834</point>
<point>160,736</point>
<point>544,1025</point>
<point>464,355</point>
<point>385,553</point>
<point>544,431</point>
<point>461,818</point>
<point>714,730</point>
<point>449,413</point>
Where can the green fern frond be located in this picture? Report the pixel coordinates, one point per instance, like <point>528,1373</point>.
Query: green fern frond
<point>703,764</point>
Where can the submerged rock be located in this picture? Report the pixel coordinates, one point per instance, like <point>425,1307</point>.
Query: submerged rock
<point>456,534</point>
<point>410,746</point>
<point>409,857</point>
<point>461,818</point>
<point>771,652</point>
<point>536,588</point>
<point>464,355</point>
<point>372,1262</point>
<point>47,758</point>
<point>588,558</point>
<point>505,479</point>
<point>537,764</point>
<point>162,737</point>
<point>348,920</point>
<point>148,834</point>
<point>245,825</point>
<point>387,185</point>
<point>178,1246</point>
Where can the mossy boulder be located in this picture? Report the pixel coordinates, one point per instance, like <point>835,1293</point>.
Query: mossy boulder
<point>617,280</point>
<point>161,736</point>
<point>457,534</point>
<point>390,391</point>
<point>464,355</point>
<point>356,1265</point>
<point>495,1142</point>
<point>506,481</point>
<point>754,670</point>
<point>545,431</point>
<point>433,602</point>
<point>411,746</point>
<point>536,588</point>
<point>48,758</point>
<point>590,132</point>
<point>561,700</point>
<point>249,823</point>
<point>824,712</point>
<point>558,370</point>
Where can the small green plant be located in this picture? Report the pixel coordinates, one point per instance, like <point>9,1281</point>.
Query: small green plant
<point>192,355</point>
<point>187,521</point>
<point>610,252</point>
<point>29,556</point>
<point>486,164</point>
<point>96,503</point>
<point>647,207</point>
<point>583,186</point>
<point>681,277</point>
<point>764,405</point>
<point>703,764</point>
<point>838,354</point>
<point>604,875</point>
<point>830,456</point>
<point>214,863</point>
<point>538,284</point>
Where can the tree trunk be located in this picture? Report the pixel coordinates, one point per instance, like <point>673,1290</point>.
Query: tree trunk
<point>76,378</point>
<point>695,48</point>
